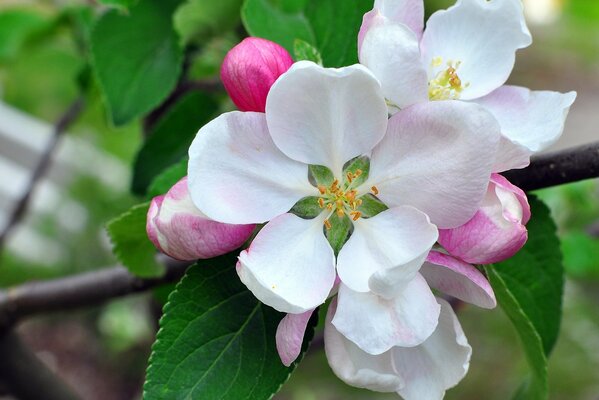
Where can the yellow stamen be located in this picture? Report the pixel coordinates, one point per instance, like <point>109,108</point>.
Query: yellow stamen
<point>321,202</point>
<point>340,212</point>
<point>375,190</point>
<point>355,215</point>
<point>327,224</point>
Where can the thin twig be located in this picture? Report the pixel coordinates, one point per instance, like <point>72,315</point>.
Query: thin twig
<point>25,376</point>
<point>59,128</point>
<point>558,168</point>
<point>77,291</point>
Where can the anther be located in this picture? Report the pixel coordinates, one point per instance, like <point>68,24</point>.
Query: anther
<point>340,212</point>
<point>321,202</point>
<point>327,224</point>
<point>375,190</point>
<point>350,177</point>
<point>355,215</point>
<point>357,173</point>
<point>322,189</point>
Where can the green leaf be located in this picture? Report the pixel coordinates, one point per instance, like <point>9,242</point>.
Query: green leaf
<point>529,288</point>
<point>136,58</point>
<point>271,20</point>
<point>131,245</point>
<point>216,341</point>
<point>171,137</point>
<point>307,208</point>
<point>167,178</point>
<point>338,234</point>
<point>123,4</point>
<point>305,51</point>
<point>331,26</point>
<point>336,25</point>
<point>16,27</point>
<point>201,19</point>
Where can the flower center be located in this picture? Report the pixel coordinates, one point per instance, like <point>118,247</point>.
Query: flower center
<point>342,199</point>
<point>446,85</point>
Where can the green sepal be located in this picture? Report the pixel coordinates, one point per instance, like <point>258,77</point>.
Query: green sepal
<point>371,206</point>
<point>340,231</point>
<point>307,208</point>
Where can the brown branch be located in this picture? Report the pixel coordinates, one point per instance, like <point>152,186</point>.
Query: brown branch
<point>23,203</point>
<point>81,290</point>
<point>558,168</point>
<point>25,376</point>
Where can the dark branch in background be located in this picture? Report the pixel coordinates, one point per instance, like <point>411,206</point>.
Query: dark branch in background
<point>81,290</point>
<point>184,87</point>
<point>25,376</point>
<point>557,168</point>
<point>44,162</point>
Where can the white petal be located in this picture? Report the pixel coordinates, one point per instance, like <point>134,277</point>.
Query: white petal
<point>355,367</point>
<point>407,12</point>
<point>458,279</point>
<point>510,156</point>
<point>238,176</point>
<point>377,324</point>
<point>326,116</point>
<point>483,35</point>
<point>391,52</point>
<point>437,364</point>
<point>530,119</point>
<point>437,157</point>
<point>387,248</point>
<point>290,336</point>
<point>290,265</point>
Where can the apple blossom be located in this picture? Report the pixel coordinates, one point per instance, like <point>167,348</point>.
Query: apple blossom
<point>179,229</point>
<point>249,70</point>
<point>497,231</point>
<point>429,164</point>
<point>466,53</point>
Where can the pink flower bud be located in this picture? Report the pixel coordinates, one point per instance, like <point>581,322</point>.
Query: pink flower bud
<point>497,231</point>
<point>250,69</point>
<point>179,229</point>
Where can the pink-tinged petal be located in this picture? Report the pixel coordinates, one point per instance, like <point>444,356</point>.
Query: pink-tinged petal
<point>436,157</point>
<point>458,279</point>
<point>497,231</point>
<point>151,229</point>
<point>237,175</point>
<point>502,183</point>
<point>437,364</point>
<point>249,70</point>
<point>386,251</point>
<point>482,35</point>
<point>391,52</point>
<point>407,12</point>
<point>290,336</point>
<point>326,116</point>
<point>180,230</point>
<point>376,324</point>
<point>290,265</point>
<point>533,120</point>
<point>354,366</point>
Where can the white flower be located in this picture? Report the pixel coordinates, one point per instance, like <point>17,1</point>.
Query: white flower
<point>430,164</point>
<point>467,52</point>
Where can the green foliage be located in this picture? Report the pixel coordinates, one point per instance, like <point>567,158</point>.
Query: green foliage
<point>330,26</point>
<point>16,27</point>
<point>119,3</point>
<point>201,19</point>
<point>216,341</point>
<point>131,244</point>
<point>136,58</point>
<point>171,137</point>
<point>305,51</point>
<point>529,288</point>
<point>167,178</point>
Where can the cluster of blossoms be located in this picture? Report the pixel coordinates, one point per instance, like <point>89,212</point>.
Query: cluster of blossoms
<point>376,182</point>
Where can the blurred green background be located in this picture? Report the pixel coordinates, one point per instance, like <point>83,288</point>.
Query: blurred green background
<point>102,352</point>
